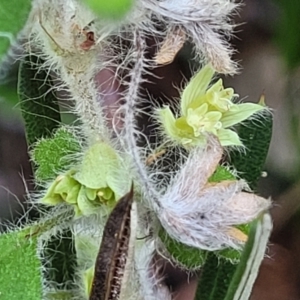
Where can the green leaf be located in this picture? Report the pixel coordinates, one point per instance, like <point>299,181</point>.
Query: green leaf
<point>221,279</point>
<point>256,135</point>
<point>240,113</point>
<point>221,174</point>
<point>55,154</point>
<point>20,276</point>
<point>110,9</point>
<point>215,278</point>
<point>59,295</point>
<point>242,283</point>
<point>41,114</point>
<point>38,102</point>
<point>13,15</point>
<point>59,261</point>
<point>187,257</point>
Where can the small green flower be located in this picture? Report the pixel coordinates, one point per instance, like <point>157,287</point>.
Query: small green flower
<point>206,110</point>
<point>100,180</point>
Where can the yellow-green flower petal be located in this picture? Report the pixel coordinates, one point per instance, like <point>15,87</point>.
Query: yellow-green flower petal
<point>107,194</point>
<point>206,110</point>
<point>167,120</point>
<point>65,185</point>
<point>88,278</point>
<point>73,194</point>
<point>51,198</point>
<point>240,113</point>
<point>91,194</point>
<point>196,87</point>
<point>201,121</point>
<point>228,137</point>
<point>220,98</point>
<point>198,102</point>
<point>85,206</point>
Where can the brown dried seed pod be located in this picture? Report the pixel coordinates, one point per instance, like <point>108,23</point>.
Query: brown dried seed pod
<point>112,256</point>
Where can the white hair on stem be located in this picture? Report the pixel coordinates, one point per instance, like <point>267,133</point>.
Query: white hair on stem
<point>130,132</point>
<point>69,40</point>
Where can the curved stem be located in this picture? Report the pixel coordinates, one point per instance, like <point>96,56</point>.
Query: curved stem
<point>131,100</point>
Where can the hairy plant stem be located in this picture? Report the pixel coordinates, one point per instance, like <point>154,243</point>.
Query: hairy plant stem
<point>131,100</point>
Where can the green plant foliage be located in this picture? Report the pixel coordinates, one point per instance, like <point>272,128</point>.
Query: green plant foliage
<point>13,15</point>
<point>38,102</point>
<point>221,174</point>
<point>256,135</point>
<point>55,154</point>
<point>230,254</point>
<point>20,276</point>
<point>59,295</point>
<point>110,9</point>
<point>220,279</point>
<point>41,114</point>
<point>188,257</point>
<point>61,269</point>
<point>215,278</point>
<point>244,277</point>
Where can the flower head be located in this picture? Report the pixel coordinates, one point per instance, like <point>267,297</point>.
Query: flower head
<point>100,180</point>
<point>202,210</point>
<point>205,110</point>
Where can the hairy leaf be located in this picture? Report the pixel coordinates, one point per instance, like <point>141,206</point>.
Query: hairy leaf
<point>256,136</point>
<point>41,114</point>
<point>20,276</point>
<point>54,154</point>
<point>215,278</point>
<point>38,102</point>
<point>241,285</point>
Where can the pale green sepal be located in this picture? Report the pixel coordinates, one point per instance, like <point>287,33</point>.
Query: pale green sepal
<point>91,194</point>
<point>167,119</point>
<point>85,206</point>
<point>65,188</point>
<point>102,168</point>
<point>196,87</point>
<point>228,137</point>
<point>97,162</point>
<point>240,113</point>
<point>51,198</point>
<point>73,194</point>
<point>88,277</point>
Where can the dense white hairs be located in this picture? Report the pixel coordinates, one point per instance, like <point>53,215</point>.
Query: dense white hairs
<point>203,20</point>
<point>200,214</point>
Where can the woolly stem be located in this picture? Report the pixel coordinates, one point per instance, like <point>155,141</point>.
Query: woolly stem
<point>131,100</point>
<point>83,90</point>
